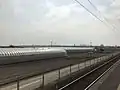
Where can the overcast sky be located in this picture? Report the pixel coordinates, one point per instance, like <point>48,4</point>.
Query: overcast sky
<point>62,21</point>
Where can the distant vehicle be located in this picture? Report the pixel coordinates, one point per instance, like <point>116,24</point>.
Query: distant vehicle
<point>99,49</point>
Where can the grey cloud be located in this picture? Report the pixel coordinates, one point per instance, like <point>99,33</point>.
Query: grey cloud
<point>106,3</point>
<point>61,2</point>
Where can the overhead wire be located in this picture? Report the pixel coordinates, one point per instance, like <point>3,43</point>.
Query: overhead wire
<point>88,10</point>
<point>101,15</point>
<point>91,13</point>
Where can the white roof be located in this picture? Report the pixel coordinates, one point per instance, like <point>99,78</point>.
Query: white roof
<point>27,51</point>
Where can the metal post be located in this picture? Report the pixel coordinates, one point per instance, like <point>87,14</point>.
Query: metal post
<point>56,87</point>
<point>59,74</point>
<point>85,64</point>
<point>18,85</point>
<point>51,42</point>
<point>94,63</point>
<point>70,69</point>
<point>90,63</point>
<point>97,60</point>
<point>78,67</point>
<point>43,81</point>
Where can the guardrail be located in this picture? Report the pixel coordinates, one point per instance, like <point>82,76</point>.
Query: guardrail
<point>49,77</point>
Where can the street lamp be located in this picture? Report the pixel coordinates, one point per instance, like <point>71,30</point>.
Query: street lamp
<point>51,43</point>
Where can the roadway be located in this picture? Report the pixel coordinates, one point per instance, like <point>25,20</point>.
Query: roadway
<point>24,69</point>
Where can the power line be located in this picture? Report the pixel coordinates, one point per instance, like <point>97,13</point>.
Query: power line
<point>93,5</point>
<point>91,12</point>
<point>101,14</point>
<point>88,10</point>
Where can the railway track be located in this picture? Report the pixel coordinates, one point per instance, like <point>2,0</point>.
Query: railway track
<point>85,81</point>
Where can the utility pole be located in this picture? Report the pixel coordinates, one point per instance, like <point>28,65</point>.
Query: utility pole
<point>90,43</point>
<point>51,43</point>
<point>74,45</point>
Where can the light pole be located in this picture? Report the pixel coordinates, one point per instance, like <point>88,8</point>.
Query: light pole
<point>90,43</point>
<point>51,43</point>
